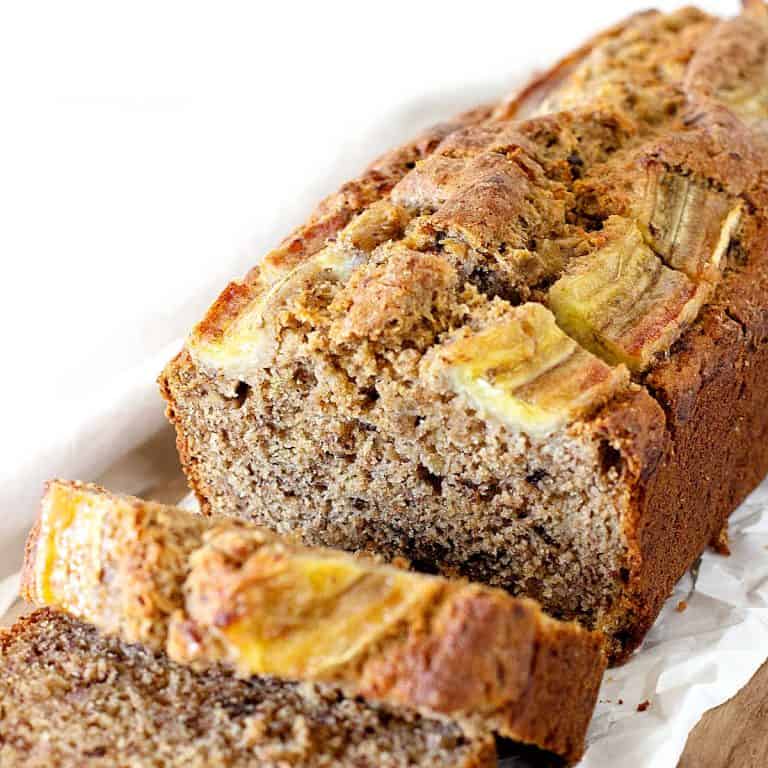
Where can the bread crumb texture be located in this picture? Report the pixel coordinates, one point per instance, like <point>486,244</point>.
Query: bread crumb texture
<point>72,697</point>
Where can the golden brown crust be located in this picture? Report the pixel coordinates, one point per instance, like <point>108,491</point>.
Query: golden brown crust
<point>187,456</point>
<point>27,586</point>
<point>229,304</point>
<point>476,654</point>
<point>730,68</point>
<point>551,688</point>
<point>696,449</point>
<point>464,651</point>
<point>487,651</point>
<point>337,209</point>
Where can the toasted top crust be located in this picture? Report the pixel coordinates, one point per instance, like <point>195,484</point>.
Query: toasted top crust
<point>655,127</point>
<point>208,591</point>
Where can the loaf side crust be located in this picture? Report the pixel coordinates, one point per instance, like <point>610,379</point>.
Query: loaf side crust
<point>688,478</point>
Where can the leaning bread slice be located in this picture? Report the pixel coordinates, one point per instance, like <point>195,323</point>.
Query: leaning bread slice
<point>209,591</point>
<point>70,697</point>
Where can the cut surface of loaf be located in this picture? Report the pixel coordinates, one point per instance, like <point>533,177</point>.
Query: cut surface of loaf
<point>70,697</point>
<point>209,591</point>
<point>534,352</point>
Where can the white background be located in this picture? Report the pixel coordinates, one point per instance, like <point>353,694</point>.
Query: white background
<point>149,151</point>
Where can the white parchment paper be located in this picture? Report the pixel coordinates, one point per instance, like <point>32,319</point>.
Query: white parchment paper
<point>692,660</point>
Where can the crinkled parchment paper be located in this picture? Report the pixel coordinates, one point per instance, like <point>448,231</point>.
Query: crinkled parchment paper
<point>694,659</point>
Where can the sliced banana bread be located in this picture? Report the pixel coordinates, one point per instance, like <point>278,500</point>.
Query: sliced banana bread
<point>207,591</point>
<point>70,697</point>
<point>535,354</point>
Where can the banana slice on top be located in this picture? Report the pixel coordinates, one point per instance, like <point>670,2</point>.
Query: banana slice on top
<point>523,371</point>
<point>687,222</point>
<point>622,303</point>
<point>237,336</point>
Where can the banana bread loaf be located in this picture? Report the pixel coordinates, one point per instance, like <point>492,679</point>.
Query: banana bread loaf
<point>209,591</point>
<point>70,697</point>
<point>530,349</point>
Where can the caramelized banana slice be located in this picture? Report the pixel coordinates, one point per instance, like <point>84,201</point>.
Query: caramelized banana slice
<point>246,341</point>
<point>731,66</point>
<point>687,223</point>
<point>622,303</point>
<point>243,340</point>
<point>293,612</point>
<point>523,371</point>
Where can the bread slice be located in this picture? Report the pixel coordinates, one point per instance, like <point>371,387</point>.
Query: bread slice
<point>211,591</point>
<point>536,358</point>
<point>70,697</point>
